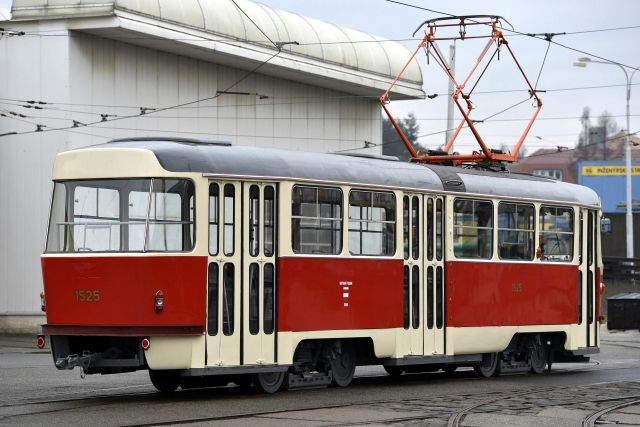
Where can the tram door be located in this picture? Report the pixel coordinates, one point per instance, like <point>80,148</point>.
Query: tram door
<point>224,274</point>
<point>433,299</point>
<point>259,273</point>
<point>589,287</point>
<point>412,237</point>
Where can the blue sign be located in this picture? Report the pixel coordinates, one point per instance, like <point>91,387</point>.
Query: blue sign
<point>608,179</point>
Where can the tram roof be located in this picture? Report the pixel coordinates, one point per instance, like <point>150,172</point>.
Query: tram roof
<point>224,159</point>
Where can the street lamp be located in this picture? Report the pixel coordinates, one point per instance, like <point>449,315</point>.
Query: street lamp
<point>582,62</point>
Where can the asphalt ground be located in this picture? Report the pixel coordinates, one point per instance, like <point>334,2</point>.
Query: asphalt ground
<point>33,392</point>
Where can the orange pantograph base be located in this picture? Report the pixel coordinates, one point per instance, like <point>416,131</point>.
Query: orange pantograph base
<point>428,44</point>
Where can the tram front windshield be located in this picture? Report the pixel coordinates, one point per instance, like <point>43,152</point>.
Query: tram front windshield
<point>122,215</point>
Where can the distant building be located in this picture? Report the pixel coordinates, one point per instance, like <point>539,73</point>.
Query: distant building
<point>553,163</point>
<point>608,179</point>
<point>600,167</point>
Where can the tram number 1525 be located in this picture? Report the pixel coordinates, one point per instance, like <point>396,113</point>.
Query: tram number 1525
<point>87,295</point>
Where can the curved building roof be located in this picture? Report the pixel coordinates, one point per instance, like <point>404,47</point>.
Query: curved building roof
<point>184,155</point>
<point>317,40</point>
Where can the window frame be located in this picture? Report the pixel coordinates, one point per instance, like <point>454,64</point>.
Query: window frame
<point>532,231</point>
<point>541,232</point>
<point>188,227</point>
<point>367,221</point>
<point>217,217</point>
<point>340,220</point>
<point>492,228</point>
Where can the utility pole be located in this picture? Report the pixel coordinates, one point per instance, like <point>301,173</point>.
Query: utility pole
<point>582,62</point>
<point>452,66</point>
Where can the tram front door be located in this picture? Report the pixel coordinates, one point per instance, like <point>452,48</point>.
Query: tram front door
<point>241,297</point>
<point>224,274</point>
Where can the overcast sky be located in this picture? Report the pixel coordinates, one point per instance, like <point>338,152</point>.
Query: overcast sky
<point>395,21</point>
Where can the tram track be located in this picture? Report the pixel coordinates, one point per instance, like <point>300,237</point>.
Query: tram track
<point>70,399</point>
<point>447,408</point>
<point>456,419</point>
<point>591,420</point>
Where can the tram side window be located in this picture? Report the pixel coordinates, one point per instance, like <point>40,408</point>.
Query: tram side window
<point>171,216</point>
<point>556,233</point>
<point>405,226</point>
<point>214,218</point>
<point>316,220</point>
<point>371,223</point>
<point>515,231</point>
<point>472,228</point>
<point>229,219</point>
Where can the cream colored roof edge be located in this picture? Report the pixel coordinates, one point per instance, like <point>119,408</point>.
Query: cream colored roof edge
<point>324,45</point>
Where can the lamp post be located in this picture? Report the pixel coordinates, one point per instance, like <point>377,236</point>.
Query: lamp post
<point>582,62</point>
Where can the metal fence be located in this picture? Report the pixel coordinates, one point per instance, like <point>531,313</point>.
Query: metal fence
<point>619,268</point>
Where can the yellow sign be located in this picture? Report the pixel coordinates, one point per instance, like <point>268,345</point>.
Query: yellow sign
<point>608,170</point>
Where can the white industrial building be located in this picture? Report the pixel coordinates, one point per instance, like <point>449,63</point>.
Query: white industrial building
<point>83,61</point>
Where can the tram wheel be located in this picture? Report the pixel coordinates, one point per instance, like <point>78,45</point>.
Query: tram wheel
<point>165,381</point>
<point>488,367</point>
<point>269,382</point>
<point>343,367</point>
<point>395,371</point>
<point>538,355</point>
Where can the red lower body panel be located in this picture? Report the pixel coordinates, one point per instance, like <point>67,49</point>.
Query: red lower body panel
<point>120,291</point>
<point>317,294</point>
<point>495,294</point>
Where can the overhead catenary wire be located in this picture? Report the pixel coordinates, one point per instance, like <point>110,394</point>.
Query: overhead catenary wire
<point>256,25</point>
<point>50,106</point>
<point>290,100</point>
<point>154,111</point>
<point>514,31</point>
<point>43,33</point>
<point>149,110</point>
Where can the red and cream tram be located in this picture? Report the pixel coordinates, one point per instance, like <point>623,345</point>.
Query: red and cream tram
<point>210,263</point>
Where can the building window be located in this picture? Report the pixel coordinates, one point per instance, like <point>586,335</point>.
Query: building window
<point>472,228</point>
<point>515,231</point>
<point>549,173</point>
<point>372,223</point>
<point>556,233</point>
<point>316,220</point>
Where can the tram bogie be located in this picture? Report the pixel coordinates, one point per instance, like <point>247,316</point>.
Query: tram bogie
<point>211,264</point>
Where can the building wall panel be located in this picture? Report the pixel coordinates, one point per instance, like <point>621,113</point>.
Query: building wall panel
<point>89,76</point>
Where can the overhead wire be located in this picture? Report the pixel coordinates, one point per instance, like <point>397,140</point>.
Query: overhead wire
<point>514,31</point>
<point>42,33</point>
<point>256,25</point>
<point>188,104</point>
<point>278,46</point>
<point>157,110</point>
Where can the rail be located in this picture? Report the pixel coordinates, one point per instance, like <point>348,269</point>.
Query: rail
<point>620,268</point>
